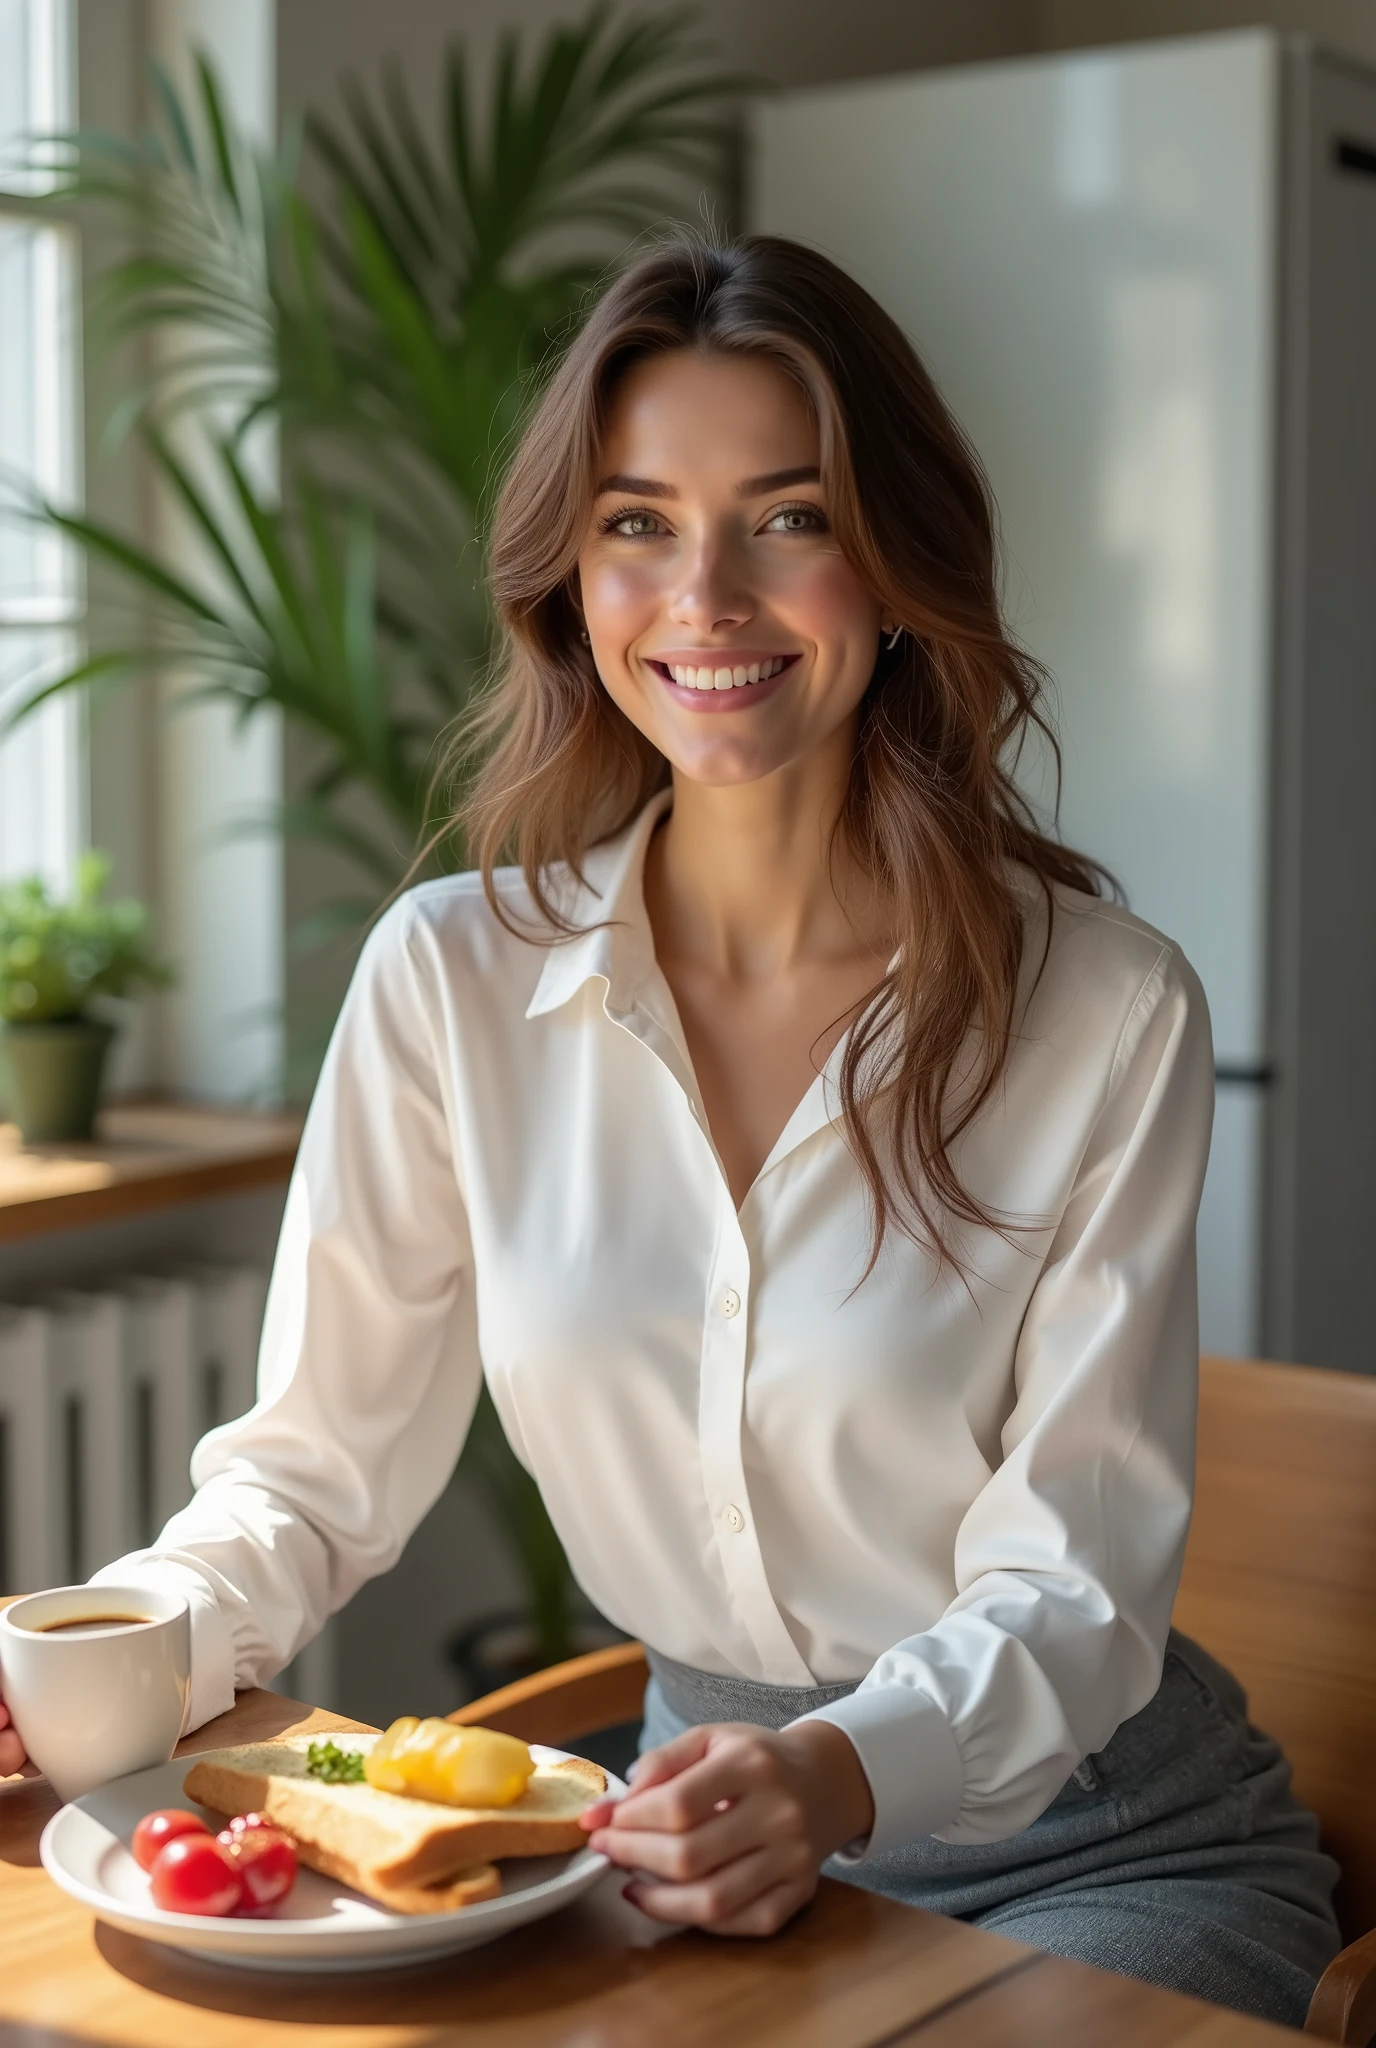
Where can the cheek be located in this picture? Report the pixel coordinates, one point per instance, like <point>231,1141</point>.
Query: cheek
<point>824,599</point>
<point>617,594</point>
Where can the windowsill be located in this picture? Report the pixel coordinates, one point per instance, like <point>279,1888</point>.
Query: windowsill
<point>147,1156</point>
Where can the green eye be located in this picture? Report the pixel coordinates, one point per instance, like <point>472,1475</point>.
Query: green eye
<point>633,525</point>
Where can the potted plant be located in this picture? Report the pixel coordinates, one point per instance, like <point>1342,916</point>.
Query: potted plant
<point>57,960</point>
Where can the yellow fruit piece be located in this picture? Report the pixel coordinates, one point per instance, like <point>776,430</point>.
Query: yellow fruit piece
<point>432,1759</point>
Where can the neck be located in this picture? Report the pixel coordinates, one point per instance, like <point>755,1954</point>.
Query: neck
<point>739,880</point>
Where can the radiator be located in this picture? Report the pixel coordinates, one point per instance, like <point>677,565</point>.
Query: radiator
<point>104,1392</point>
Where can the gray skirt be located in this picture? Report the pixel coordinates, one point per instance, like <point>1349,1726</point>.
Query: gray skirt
<point>1178,1854</point>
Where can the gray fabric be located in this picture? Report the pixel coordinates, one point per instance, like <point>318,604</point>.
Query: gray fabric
<point>1178,1854</point>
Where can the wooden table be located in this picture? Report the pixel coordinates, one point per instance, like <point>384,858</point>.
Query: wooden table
<point>853,1971</point>
<point>147,1155</point>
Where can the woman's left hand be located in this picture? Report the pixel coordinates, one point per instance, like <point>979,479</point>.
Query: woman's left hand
<point>726,1826</point>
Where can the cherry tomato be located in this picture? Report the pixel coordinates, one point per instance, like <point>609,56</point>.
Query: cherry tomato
<point>265,1859</point>
<point>233,1830</point>
<point>195,1874</point>
<point>156,1830</point>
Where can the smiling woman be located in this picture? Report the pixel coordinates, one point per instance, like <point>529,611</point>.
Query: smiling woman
<point>808,1159</point>
<point>833,497</point>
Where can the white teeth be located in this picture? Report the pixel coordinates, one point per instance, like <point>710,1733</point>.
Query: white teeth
<point>691,678</point>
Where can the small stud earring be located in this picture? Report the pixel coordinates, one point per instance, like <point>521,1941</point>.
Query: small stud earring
<point>894,637</point>
<point>584,636</point>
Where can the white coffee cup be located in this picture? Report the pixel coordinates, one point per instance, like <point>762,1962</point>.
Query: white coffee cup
<point>96,1679</point>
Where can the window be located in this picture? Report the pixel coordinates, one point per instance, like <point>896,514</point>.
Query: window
<point>40,780</point>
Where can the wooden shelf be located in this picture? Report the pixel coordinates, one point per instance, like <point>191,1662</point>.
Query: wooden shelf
<point>149,1155</point>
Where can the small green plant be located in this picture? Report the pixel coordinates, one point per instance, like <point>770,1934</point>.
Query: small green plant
<point>56,957</point>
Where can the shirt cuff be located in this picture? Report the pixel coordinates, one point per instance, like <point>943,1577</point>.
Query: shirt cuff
<point>212,1643</point>
<point>909,1755</point>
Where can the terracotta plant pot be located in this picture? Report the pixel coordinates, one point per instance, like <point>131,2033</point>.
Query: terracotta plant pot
<point>54,1073</point>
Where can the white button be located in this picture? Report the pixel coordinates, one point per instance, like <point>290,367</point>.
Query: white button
<point>730,1303</point>
<point>733,1518</point>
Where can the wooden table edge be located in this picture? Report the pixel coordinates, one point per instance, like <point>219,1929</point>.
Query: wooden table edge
<point>160,1188</point>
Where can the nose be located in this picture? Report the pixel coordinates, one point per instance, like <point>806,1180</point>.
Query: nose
<point>713,593</point>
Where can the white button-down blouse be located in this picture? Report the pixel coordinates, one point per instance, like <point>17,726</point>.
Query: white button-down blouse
<point>970,1493</point>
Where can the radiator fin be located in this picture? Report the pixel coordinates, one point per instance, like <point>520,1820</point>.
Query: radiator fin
<point>103,1397</point>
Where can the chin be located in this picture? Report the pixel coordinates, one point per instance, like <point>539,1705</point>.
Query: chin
<point>723,767</point>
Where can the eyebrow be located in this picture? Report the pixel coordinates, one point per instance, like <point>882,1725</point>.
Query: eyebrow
<point>778,480</point>
<point>636,486</point>
<point>752,487</point>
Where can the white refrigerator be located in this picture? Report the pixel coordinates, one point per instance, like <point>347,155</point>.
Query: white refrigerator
<point>1145,280</point>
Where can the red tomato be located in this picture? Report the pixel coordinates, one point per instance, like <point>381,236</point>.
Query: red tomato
<point>265,1859</point>
<point>156,1830</point>
<point>194,1874</point>
<point>233,1830</point>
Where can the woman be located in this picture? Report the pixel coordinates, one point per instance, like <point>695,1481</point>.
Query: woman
<point>809,1158</point>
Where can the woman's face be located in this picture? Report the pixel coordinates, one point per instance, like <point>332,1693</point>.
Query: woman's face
<point>724,619</point>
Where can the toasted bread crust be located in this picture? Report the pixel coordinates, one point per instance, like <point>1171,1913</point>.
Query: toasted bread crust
<point>467,1889</point>
<point>386,1845</point>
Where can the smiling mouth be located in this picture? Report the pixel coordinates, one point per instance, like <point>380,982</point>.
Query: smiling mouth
<point>739,676</point>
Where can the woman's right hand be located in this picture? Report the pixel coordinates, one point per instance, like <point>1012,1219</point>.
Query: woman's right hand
<point>12,1757</point>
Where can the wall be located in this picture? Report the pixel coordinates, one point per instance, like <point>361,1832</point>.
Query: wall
<point>791,42</point>
<point>221,890</point>
<point>122,730</point>
<point>1345,25</point>
<point>167,792</point>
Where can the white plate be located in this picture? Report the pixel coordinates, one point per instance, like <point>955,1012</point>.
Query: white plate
<point>321,1925</point>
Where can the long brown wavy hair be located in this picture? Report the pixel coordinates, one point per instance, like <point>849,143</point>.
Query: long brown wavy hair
<point>931,814</point>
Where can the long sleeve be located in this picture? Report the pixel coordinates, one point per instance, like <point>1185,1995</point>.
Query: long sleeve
<point>1068,1558</point>
<point>368,1369</point>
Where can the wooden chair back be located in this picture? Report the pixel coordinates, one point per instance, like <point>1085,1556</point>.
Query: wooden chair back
<point>602,1690</point>
<point>1280,1584</point>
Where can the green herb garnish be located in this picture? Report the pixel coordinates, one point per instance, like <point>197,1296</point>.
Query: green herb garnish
<point>335,1765</point>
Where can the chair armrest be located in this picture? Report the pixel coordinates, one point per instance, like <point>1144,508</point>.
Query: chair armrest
<point>1343,2007</point>
<point>568,1700</point>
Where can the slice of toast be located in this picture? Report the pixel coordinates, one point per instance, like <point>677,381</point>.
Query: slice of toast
<point>483,1881</point>
<point>403,1852</point>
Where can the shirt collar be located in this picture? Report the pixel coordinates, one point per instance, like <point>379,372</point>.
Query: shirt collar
<point>617,944</point>
<point>618,948</point>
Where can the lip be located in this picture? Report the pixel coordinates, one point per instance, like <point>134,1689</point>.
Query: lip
<point>734,699</point>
